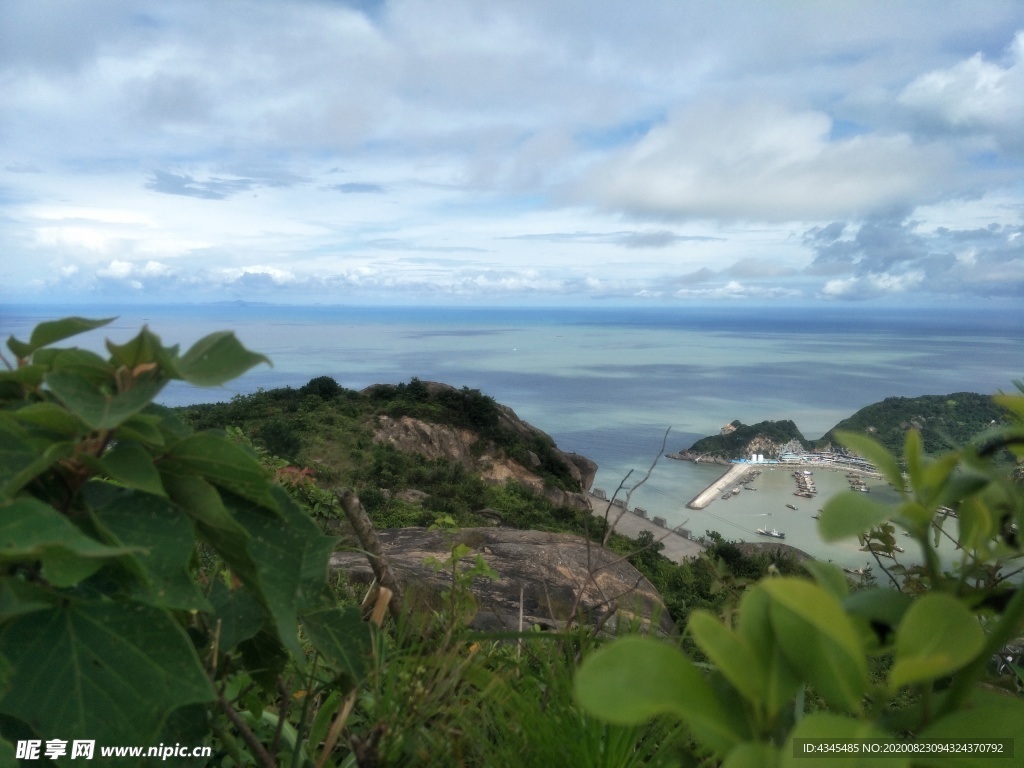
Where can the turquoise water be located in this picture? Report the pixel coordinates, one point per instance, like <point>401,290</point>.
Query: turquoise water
<point>608,382</point>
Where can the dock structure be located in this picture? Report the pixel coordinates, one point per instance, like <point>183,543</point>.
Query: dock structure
<point>709,494</point>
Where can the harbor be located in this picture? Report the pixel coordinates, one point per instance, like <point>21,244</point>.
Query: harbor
<point>730,479</point>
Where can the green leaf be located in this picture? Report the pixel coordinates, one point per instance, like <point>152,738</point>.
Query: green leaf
<point>131,464</point>
<point>752,755</point>
<point>819,640</point>
<point>52,417</point>
<point>876,453</point>
<point>780,680</point>
<point>203,503</point>
<point>850,514</point>
<point>99,409</point>
<point>144,348</point>
<point>937,636</point>
<point>913,454</point>
<point>728,652</point>
<point>835,729</point>
<point>342,637</point>
<point>143,428</point>
<point>22,458</point>
<point>222,462</point>
<point>291,561</point>
<point>110,671</point>
<point>18,596</point>
<point>47,333</point>
<point>164,539</point>
<point>828,577</point>
<point>215,359</point>
<point>635,678</point>
<point>239,613</point>
<point>988,716</point>
<point>31,530</point>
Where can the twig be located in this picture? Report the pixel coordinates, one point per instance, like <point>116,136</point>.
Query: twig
<point>629,493</point>
<point>367,536</point>
<point>263,757</point>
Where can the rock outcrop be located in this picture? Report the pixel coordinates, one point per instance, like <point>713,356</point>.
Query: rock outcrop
<point>437,441</point>
<point>548,570</point>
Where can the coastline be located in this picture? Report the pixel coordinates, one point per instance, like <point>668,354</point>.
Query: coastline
<point>628,522</point>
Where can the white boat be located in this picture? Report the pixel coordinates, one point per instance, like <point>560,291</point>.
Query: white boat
<point>772,533</point>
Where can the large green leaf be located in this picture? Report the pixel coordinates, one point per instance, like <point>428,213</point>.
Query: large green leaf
<point>987,717</point>
<point>222,462</point>
<point>215,359</point>
<point>937,636</point>
<point>97,408</point>
<point>237,612</point>
<point>131,464</point>
<point>849,514</point>
<point>291,561</point>
<point>53,418</point>
<point>876,453</point>
<point>342,638</point>
<point>165,538</point>
<point>636,678</point>
<point>833,730</point>
<point>24,457</point>
<point>112,672</point>
<point>729,652</point>
<point>145,348</point>
<point>819,640</point>
<point>31,530</point>
<point>47,333</point>
<point>780,679</point>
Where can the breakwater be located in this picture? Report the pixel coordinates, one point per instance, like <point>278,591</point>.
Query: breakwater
<point>731,476</point>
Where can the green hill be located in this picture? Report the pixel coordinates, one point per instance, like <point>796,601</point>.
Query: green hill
<point>764,437</point>
<point>943,420</point>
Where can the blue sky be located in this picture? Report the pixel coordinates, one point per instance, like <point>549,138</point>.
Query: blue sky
<point>541,151</point>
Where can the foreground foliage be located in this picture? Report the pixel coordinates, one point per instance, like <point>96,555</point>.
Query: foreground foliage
<point>148,574</point>
<point>793,641</point>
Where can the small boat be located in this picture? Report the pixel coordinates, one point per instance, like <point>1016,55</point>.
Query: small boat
<point>726,496</point>
<point>790,506</point>
<point>857,571</point>
<point>772,533</point>
<point>816,517</point>
<point>735,490</point>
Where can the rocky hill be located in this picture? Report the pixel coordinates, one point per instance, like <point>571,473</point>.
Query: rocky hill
<point>942,420</point>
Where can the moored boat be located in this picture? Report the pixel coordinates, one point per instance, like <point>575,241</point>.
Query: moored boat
<point>772,533</point>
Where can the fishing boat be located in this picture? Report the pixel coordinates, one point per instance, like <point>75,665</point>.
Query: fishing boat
<point>772,533</point>
<point>790,506</point>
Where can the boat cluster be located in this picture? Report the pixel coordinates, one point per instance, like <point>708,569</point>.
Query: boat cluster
<point>804,484</point>
<point>744,482</point>
<point>857,482</point>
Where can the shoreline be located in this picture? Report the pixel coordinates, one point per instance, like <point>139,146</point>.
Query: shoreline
<point>675,546</point>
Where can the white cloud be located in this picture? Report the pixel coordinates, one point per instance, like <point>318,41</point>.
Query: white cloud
<point>763,162</point>
<point>974,95</point>
<point>872,285</point>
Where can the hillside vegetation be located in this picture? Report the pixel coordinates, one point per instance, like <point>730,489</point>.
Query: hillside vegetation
<point>943,421</point>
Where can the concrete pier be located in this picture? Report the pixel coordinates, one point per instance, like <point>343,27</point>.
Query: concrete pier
<point>728,480</point>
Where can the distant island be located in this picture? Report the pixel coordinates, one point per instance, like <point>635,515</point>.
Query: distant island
<point>944,421</point>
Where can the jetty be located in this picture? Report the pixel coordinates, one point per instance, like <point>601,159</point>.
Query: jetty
<point>709,494</point>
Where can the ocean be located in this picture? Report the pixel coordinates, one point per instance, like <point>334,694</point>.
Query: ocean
<point>607,382</point>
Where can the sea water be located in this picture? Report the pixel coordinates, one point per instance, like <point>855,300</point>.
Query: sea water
<point>609,382</point>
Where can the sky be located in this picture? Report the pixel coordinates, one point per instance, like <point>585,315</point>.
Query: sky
<point>536,151</point>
